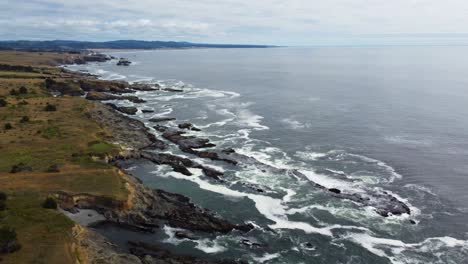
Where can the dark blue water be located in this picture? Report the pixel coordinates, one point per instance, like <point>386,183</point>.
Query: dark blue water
<point>383,118</point>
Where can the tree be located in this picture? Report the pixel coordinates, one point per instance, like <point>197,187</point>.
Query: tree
<point>3,103</point>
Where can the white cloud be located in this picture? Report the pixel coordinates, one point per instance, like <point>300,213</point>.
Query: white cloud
<point>267,21</point>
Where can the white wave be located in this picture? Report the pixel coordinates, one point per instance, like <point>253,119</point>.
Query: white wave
<point>328,182</point>
<point>306,155</point>
<point>209,246</point>
<point>246,118</point>
<point>378,246</point>
<point>295,124</point>
<point>408,141</point>
<point>166,112</point>
<point>382,164</point>
<point>271,208</point>
<point>170,232</point>
<point>267,257</point>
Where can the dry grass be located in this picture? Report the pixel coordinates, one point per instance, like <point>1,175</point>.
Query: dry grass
<point>34,58</point>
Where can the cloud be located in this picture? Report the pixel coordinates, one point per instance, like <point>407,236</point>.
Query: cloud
<point>234,21</point>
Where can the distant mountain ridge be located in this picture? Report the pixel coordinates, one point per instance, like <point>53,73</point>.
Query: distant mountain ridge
<point>70,45</point>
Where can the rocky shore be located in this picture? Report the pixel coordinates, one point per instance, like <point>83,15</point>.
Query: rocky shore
<point>147,210</point>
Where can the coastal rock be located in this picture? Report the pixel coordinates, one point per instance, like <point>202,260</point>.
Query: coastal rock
<point>184,142</point>
<point>185,235</point>
<point>94,248</point>
<point>124,109</point>
<point>130,133</point>
<point>161,119</point>
<point>64,87</point>
<point>188,126</point>
<point>100,96</point>
<point>173,90</point>
<point>250,243</point>
<point>123,62</point>
<point>384,203</point>
<point>144,87</point>
<point>147,111</point>
<point>104,86</point>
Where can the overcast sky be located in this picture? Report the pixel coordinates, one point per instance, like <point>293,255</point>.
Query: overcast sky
<point>280,22</point>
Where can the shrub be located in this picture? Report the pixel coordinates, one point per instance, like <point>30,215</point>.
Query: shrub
<point>14,92</point>
<point>8,126</point>
<point>50,108</point>
<point>2,201</point>
<point>24,119</point>
<point>53,168</point>
<point>3,103</point>
<point>49,83</point>
<point>50,203</point>
<point>23,90</point>
<point>8,242</point>
<point>20,167</point>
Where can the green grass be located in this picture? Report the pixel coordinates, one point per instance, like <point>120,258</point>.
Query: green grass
<point>101,148</point>
<point>51,132</point>
<point>22,75</point>
<point>41,232</point>
<point>67,138</point>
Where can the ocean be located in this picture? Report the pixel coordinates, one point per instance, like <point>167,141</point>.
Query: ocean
<point>359,119</point>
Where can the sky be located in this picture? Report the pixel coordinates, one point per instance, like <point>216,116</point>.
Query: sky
<point>285,22</point>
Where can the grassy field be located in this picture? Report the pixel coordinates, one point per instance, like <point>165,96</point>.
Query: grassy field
<point>33,58</point>
<point>32,137</point>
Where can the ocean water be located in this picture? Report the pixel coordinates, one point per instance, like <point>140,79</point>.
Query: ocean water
<point>361,119</point>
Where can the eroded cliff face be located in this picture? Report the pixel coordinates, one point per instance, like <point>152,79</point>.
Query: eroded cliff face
<point>90,248</point>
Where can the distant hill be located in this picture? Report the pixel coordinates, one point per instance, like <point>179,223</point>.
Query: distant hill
<point>68,45</point>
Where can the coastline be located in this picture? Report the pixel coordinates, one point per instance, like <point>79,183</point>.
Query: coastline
<point>138,213</point>
<point>145,210</point>
<point>384,204</point>
<point>134,207</point>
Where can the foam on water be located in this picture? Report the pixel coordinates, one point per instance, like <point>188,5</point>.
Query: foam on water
<point>295,124</point>
<point>278,210</point>
<point>209,246</point>
<point>267,257</point>
<point>442,245</point>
